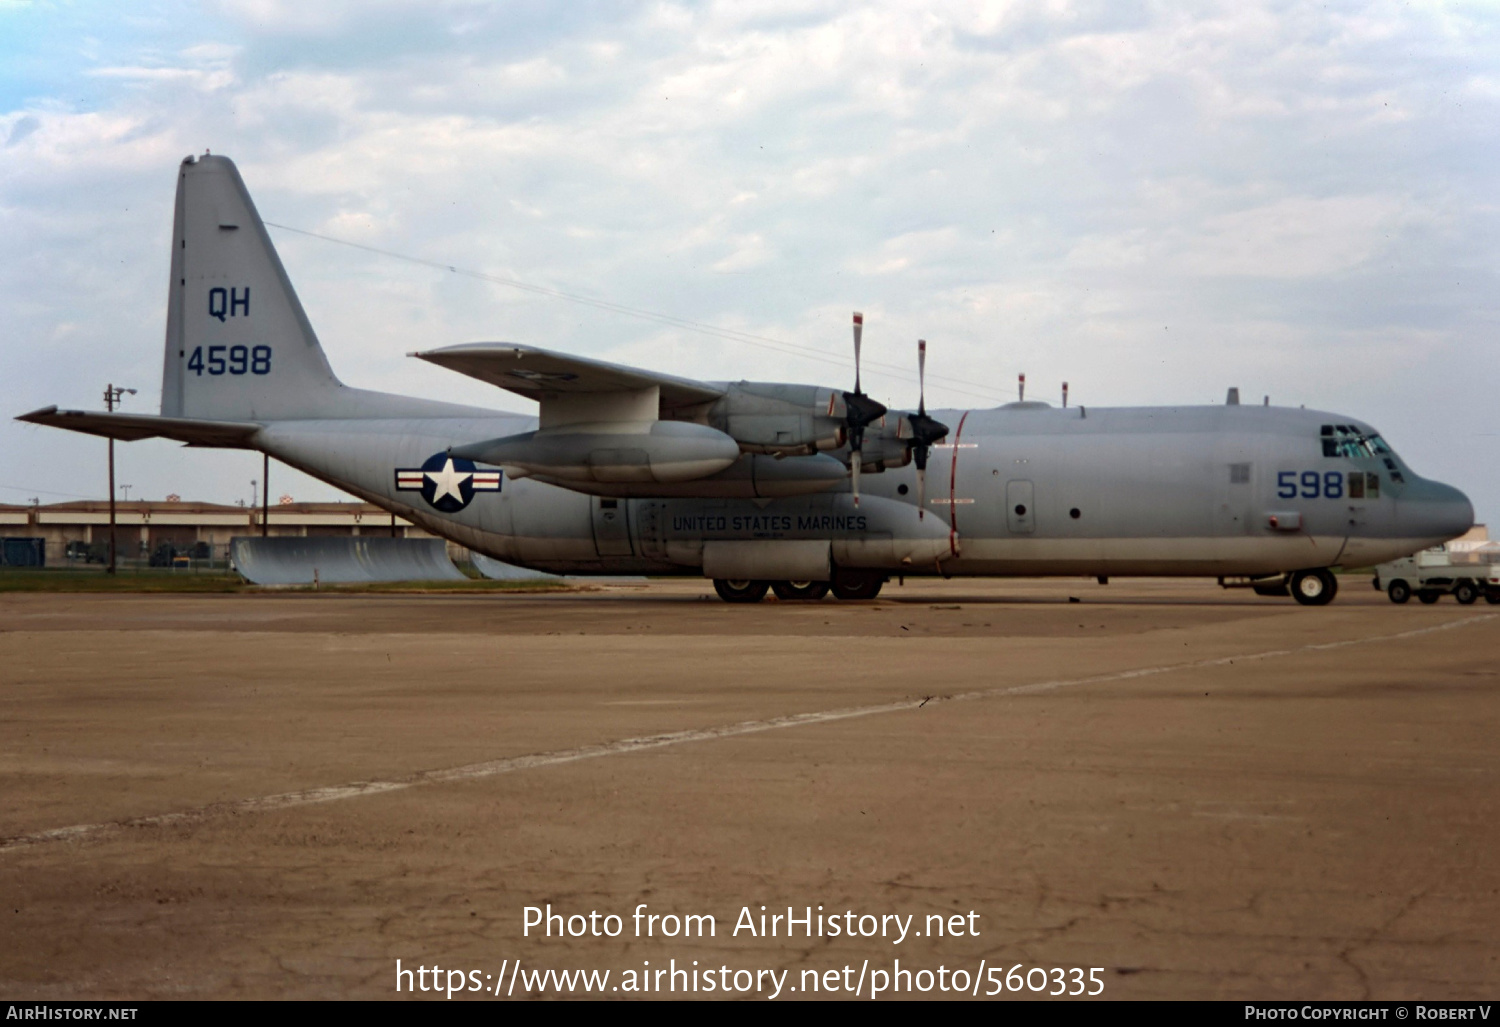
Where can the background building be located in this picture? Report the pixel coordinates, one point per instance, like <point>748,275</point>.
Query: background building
<point>77,533</point>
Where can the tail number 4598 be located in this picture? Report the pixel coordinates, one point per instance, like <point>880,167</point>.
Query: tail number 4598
<point>231,360</point>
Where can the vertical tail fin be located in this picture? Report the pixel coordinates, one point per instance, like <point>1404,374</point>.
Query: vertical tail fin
<point>239,346</point>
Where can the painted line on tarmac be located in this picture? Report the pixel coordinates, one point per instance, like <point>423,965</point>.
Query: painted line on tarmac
<point>510,764</point>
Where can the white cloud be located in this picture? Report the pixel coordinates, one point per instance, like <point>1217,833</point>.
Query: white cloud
<point>748,251</point>
<point>1296,237</point>
<point>1145,201</point>
<point>907,251</point>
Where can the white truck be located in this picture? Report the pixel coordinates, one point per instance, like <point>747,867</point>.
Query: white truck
<point>1433,573</point>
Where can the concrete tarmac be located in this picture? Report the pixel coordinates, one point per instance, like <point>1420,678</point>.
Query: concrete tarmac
<point>1205,794</point>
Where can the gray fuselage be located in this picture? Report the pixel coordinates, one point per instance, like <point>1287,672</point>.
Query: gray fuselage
<point>1024,489</point>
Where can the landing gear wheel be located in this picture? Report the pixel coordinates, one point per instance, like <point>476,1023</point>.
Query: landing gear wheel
<point>1466,593</point>
<point>1399,591</point>
<point>1429,596</point>
<point>791,590</point>
<point>856,584</point>
<point>1492,597</point>
<point>1314,588</point>
<point>735,591</point>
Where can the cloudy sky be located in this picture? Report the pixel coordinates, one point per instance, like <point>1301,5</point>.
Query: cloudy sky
<point>1152,201</point>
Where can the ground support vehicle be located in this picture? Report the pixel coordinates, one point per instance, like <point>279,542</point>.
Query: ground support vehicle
<point>1433,573</point>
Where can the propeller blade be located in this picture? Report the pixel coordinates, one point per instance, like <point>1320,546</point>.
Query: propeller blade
<point>922,376</point>
<point>860,412</point>
<point>925,430</point>
<point>859,331</point>
<point>920,449</point>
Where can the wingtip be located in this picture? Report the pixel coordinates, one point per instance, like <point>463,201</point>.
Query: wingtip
<point>35,416</point>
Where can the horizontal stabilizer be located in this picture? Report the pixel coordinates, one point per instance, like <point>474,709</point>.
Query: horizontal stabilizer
<point>538,373</point>
<point>129,427</point>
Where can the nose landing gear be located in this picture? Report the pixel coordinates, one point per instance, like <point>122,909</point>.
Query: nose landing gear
<point>1315,587</point>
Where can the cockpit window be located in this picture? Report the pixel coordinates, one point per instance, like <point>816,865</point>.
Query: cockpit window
<point>1349,442</point>
<point>1341,440</point>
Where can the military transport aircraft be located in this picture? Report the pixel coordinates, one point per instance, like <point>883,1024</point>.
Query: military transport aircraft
<point>758,485</point>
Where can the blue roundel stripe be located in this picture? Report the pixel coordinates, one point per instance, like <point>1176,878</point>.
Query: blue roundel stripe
<point>447,483</point>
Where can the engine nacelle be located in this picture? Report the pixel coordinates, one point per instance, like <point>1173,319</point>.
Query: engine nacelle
<point>767,417</point>
<point>624,451</point>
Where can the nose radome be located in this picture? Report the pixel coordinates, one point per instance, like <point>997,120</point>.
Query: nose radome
<point>1447,511</point>
<point>1464,511</point>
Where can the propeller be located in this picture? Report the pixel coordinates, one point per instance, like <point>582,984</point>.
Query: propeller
<point>860,411</point>
<point>925,430</point>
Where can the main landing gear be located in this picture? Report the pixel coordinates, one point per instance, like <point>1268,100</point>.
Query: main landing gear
<point>791,590</point>
<point>847,584</point>
<point>733,591</point>
<point>850,584</point>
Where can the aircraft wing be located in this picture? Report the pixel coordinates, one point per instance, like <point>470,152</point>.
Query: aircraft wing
<point>129,427</point>
<point>538,373</point>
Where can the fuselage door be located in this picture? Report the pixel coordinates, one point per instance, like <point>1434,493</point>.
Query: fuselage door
<point>1020,514</point>
<point>1236,489</point>
<point>611,526</point>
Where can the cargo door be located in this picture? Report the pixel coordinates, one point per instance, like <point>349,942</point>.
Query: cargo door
<point>611,526</point>
<point>1020,507</point>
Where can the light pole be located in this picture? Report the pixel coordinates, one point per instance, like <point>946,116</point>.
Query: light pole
<point>112,395</point>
